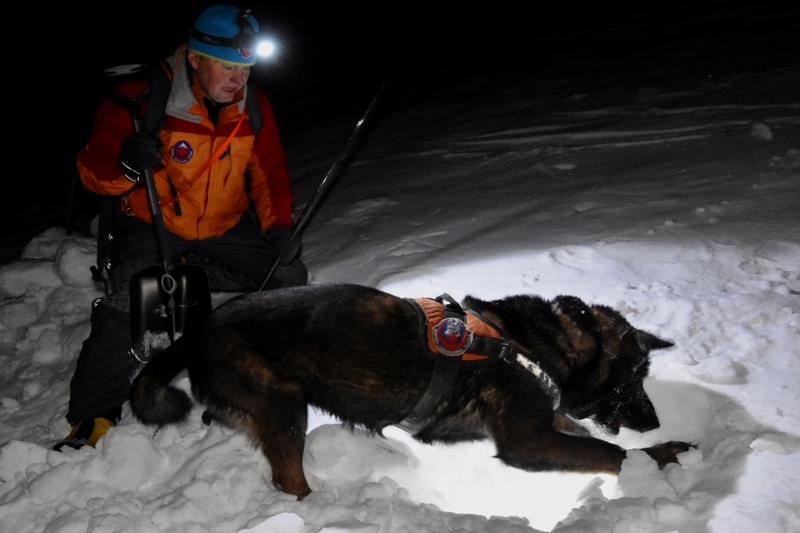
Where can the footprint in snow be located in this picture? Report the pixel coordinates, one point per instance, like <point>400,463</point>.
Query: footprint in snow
<point>721,370</point>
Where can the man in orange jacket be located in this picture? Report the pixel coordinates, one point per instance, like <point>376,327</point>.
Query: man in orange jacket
<point>205,200</point>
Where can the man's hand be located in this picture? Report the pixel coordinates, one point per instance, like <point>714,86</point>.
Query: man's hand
<point>286,248</point>
<point>139,151</point>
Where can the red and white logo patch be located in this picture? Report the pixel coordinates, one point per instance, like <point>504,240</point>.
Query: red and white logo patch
<point>182,152</point>
<point>452,337</point>
<point>245,52</point>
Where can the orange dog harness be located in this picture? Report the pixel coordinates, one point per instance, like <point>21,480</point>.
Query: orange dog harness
<point>455,337</point>
<point>469,335</point>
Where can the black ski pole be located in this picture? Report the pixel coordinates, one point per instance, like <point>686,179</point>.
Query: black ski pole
<point>168,283</point>
<point>133,105</point>
<point>333,173</point>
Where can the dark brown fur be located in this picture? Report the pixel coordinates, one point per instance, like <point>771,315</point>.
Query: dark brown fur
<point>354,351</point>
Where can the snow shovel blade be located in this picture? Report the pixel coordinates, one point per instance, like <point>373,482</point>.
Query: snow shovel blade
<point>151,311</point>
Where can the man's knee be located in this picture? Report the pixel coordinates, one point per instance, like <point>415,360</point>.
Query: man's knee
<point>288,276</point>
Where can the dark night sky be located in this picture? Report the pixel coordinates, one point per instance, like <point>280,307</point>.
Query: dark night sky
<point>335,55</point>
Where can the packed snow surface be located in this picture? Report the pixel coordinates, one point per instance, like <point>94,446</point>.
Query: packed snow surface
<point>675,203</point>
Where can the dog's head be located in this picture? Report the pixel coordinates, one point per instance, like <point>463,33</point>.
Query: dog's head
<point>599,358</point>
<point>617,398</point>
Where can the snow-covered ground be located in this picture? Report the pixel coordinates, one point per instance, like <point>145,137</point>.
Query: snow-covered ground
<point>675,203</point>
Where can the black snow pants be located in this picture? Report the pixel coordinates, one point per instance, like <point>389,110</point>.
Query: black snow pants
<point>235,261</point>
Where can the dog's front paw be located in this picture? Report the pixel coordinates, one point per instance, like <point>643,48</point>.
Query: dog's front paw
<point>667,452</point>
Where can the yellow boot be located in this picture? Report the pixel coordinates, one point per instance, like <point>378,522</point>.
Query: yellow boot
<point>86,432</point>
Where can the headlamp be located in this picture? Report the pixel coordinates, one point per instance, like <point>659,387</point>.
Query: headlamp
<point>265,48</point>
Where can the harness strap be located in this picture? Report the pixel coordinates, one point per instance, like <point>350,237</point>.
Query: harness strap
<point>444,375</point>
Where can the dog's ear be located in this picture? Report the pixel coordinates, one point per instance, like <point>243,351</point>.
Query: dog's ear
<point>615,327</point>
<point>648,341</point>
<point>479,306</point>
<point>579,336</point>
<point>471,302</point>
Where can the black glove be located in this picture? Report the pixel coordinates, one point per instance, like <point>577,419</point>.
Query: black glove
<point>286,248</point>
<point>138,152</point>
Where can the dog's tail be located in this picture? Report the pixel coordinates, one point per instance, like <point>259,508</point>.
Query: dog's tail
<point>153,401</point>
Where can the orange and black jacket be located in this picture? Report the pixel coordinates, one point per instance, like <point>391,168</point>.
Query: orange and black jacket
<point>195,206</point>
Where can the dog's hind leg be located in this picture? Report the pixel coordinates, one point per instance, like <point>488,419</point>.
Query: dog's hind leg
<point>279,426</point>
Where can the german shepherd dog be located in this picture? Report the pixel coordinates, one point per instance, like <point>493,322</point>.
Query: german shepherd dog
<point>261,359</point>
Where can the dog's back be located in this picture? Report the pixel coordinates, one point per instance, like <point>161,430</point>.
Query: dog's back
<point>312,339</point>
<point>339,346</point>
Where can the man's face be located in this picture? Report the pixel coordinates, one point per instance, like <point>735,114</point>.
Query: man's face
<point>219,81</point>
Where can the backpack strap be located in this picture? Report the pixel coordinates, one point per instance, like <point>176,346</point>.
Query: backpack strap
<point>159,79</point>
<point>252,107</point>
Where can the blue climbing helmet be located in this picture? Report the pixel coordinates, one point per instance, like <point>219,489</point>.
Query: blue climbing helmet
<point>225,33</point>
